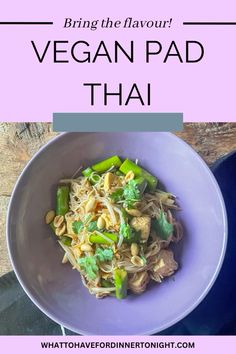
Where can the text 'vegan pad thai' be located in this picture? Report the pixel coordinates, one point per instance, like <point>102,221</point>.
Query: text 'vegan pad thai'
<point>115,227</point>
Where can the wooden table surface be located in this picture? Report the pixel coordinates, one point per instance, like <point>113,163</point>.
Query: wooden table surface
<point>19,142</point>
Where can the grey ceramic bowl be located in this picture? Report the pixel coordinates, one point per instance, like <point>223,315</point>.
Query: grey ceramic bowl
<point>57,290</point>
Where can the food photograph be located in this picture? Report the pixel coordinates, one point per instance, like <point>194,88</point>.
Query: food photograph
<point>117,233</point>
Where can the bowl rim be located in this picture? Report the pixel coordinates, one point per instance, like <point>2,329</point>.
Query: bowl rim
<point>157,329</point>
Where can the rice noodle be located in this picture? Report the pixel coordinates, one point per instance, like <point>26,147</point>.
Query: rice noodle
<point>100,290</point>
<point>122,221</point>
<point>121,238</point>
<point>147,206</point>
<point>69,254</point>
<point>110,209</point>
<point>106,268</point>
<point>120,214</point>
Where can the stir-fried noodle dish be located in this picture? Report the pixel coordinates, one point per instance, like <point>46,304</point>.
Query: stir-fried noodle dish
<point>116,227</point>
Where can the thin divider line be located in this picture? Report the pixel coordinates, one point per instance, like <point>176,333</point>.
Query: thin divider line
<point>210,23</point>
<point>25,23</point>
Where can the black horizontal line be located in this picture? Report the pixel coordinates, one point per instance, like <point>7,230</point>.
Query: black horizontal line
<point>26,23</point>
<point>210,23</point>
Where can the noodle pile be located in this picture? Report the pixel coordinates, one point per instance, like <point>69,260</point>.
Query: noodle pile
<point>104,232</point>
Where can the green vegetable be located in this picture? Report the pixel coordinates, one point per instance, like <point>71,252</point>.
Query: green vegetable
<point>125,230</point>
<point>92,226</point>
<point>125,215</point>
<point>104,255</point>
<point>89,265</point>
<point>62,206</point>
<point>129,165</point>
<point>77,227</point>
<point>129,234</point>
<point>94,178</point>
<point>66,240</point>
<point>118,195</point>
<point>162,227</point>
<point>119,173</point>
<point>94,238</point>
<point>151,180</point>
<point>121,283</point>
<point>131,191</point>
<point>106,283</point>
<point>105,165</point>
<point>141,184</point>
<point>87,172</point>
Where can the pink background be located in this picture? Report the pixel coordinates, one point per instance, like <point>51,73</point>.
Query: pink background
<point>203,92</point>
<point>203,344</point>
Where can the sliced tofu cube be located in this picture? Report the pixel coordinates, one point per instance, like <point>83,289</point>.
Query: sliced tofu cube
<point>143,224</point>
<point>167,262</point>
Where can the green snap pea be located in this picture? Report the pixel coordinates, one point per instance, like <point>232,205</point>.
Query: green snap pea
<point>119,173</point>
<point>121,282</point>
<point>104,165</point>
<point>87,172</point>
<point>141,183</point>
<point>62,200</point>
<point>95,238</point>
